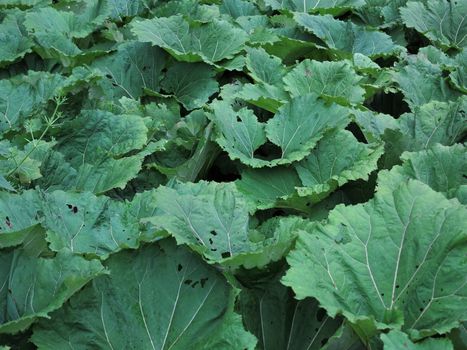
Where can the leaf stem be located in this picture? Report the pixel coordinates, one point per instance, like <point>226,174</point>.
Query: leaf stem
<point>50,123</point>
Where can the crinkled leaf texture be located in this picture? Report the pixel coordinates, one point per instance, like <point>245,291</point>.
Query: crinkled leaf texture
<point>80,223</point>
<point>336,81</point>
<point>159,297</point>
<point>191,84</point>
<point>388,261</point>
<point>213,219</point>
<point>422,81</point>
<point>210,42</point>
<point>93,149</point>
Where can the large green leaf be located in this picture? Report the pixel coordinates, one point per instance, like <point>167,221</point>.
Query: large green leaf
<point>459,74</point>
<point>347,37</point>
<point>23,95</point>
<point>336,6</point>
<point>191,84</point>
<point>32,287</point>
<point>264,68</point>
<point>5,184</point>
<point>432,123</point>
<point>132,68</point>
<point>442,168</point>
<point>14,41</point>
<point>212,218</point>
<point>441,21</point>
<point>54,30</point>
<point>86,224</point>
<point>281,322</point>
<point>336,81</point>
<point>337,159</point>
<point>300,124</point>
<point>295,129</point>
<point>381,13</point>
<point>95,145</point>
<point>388,261</point>
<point>210,42</point>
<point>18,213</point>
<point>422,81</point>
<point>395,339</point>
<point>159,297</point>
<point>240,132</point>
<point>194,10</point>
<point>17,164</point>
<point>238,8</point>
<point>128,8</point>
<point>270,187</point>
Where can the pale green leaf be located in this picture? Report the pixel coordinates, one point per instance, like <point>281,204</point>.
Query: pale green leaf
<point>4,184</point>
<point>395,339</point>
<point>335,6</point>
<point>270,187</point>
<point>459,74</point>
<point>238,8</point>
<point>347,37</point>
<point>268,97</point>
<point>130,8</point>
<point>300,124</point>
<point>432,123</point>
<point>337,159</point>
<point>240,132</point>
<point>194,10</point>
<point>86,224</point>
<point>54,30</point>
<point>336,81</point>
<point>400,249</point>
<point>95,144</point>
<point>442,168</point>
<point>264,68</point>
<point>295,128</point>
<point>210,42</point>
<point>22,95</point>
<point>18,213</point>
<point>212,218</point>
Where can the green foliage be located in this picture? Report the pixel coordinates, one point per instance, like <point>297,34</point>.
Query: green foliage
<point>238,174</point>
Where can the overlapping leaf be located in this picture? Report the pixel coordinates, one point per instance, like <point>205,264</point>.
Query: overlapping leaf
<point>210,42</point>
<point>295,129</point>
<point>33,287</point>
<point>442,21</point>
<point>347,37</point>
<point>401,247</point>
<point>163,295</point>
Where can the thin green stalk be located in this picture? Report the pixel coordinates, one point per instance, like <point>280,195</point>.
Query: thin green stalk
<point>50,123</point>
